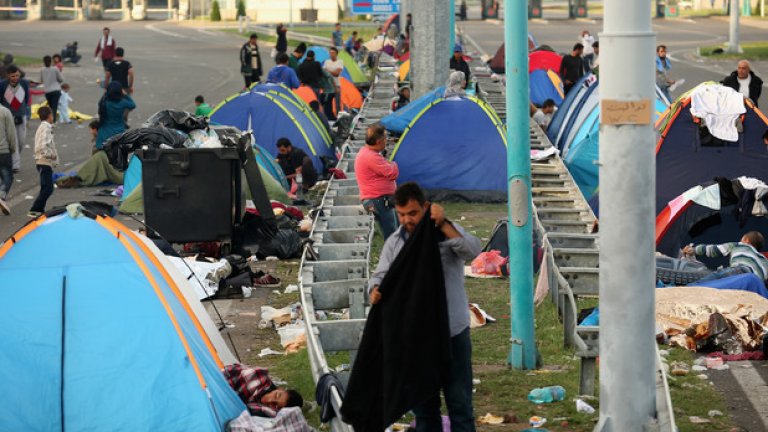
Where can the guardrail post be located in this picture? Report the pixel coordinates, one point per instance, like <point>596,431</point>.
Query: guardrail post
<point>627,218</point>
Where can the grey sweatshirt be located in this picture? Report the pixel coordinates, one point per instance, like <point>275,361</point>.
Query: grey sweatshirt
<point>7,131</point>
<point>51,78</point>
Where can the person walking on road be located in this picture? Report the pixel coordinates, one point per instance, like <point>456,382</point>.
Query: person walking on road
<point>281,46</point>
<point>250,61</point>
<point>572,67</point>
<point>376,178</point>
<point>588,54</point>
<point>46,158</point>
<point>663,66</point>
<point>7,148</point>
<point>334,66</point>
<point>282,73</point>
<point>52,80</point>
<point>120,70</point>
<point>106,46</point>
<point>14,95</point>
<point>745,81</point>
<point>112,108</point>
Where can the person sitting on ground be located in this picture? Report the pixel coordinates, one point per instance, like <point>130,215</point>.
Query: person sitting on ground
<point>256,389</point>
<point>745,257</point>
<point>456,85</point>
<point>282,73</point>
<point>458,63</point>
<point>295,162</point>
<point>744,81</point>
<point>202,108</point>
<point>543,116</point>
<point>69,53</point>
<point>403,99</point>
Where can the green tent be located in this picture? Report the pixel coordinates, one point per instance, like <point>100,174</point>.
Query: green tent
<point>354,70</point>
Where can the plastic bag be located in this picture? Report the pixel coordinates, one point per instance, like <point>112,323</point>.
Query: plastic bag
<point>179,120</point>
<point>489,263</point>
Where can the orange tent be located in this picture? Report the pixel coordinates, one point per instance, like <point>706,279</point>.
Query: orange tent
<point>306,93</point>
<point>350,96</point>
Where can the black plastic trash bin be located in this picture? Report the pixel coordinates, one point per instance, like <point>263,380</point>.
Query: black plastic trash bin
<point>192,195</point>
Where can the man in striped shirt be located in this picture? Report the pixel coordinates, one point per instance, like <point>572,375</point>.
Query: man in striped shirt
<point>744,256</point>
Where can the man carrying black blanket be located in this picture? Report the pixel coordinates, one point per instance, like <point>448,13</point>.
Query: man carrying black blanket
<point>416,339</point>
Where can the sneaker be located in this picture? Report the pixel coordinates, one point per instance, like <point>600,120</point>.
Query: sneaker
<point>4,207</point>
<point>34,214</point>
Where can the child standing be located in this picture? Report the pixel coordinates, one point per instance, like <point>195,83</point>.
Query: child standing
<point>64,102</point>
<point>46,158</point>
<point>202,108</point>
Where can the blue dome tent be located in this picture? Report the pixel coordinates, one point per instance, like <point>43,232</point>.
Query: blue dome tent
<point>455,149</point>
<point>101,338</point>
<point>399,120</point>
<point>545,84</point>
<point>272,116</point>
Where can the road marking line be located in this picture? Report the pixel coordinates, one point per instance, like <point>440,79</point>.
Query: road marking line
<point>204,31</point>
<point>165,32</point>
<point>754,388</point>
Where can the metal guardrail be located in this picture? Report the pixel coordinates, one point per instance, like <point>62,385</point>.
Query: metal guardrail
<point>341,234</point>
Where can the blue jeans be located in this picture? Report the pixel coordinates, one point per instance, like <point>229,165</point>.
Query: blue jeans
<point>6,174</point>
<point>457,390</point>
<point>383,209</point>
<point>46,188</point>
<point>723,273</point>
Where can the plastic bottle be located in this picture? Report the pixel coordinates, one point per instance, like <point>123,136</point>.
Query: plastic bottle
<point>300,188</point>
<point>546,394</point>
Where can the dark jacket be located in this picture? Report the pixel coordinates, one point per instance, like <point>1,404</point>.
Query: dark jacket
<point>282,40</point>
<point>24,109</point>
<point>755,85</point>
<point>460,65</point>
<point>310,73</point>
<point>405,348</point>
<point>245,60</point>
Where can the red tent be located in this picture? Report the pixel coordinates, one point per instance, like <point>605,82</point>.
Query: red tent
<point>544,60</point>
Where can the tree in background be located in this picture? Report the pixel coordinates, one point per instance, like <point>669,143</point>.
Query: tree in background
<point>240,8</point>
<point>215,11</point>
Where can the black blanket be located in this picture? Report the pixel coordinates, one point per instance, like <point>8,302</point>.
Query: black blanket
<point>405,347</point>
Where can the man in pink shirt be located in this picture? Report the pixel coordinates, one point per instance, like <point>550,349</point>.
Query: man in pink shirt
<point>376,179</point>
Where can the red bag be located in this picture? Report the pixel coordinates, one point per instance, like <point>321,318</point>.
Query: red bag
<point>489,263</point>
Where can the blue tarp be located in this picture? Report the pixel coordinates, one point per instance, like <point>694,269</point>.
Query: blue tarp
<point>456,149</point>
<point>89,345</point>
<point>271,117</point>
<point>132,177</point>
<point>399,120</point>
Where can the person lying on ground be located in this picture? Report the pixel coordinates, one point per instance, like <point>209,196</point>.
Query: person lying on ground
<point>744,256</point>
<point>256,389</point>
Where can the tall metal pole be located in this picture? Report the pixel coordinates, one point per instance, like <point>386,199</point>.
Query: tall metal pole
<point>429,63</point>
<point>522,354</point>
<point>452,37</point>
<point>290,14</point>
<point>627,213</point>
<point>733,40</point>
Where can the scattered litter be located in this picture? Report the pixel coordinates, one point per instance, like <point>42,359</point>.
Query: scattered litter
<point>475,381</point>
<point>276,292</point>
<point>722,367</point>
<point>272,258</point>
<point>269,351</point>
<point>700,361</point>
<point>702,376</point>
<point>584,407</point>
<point>478,317</point>
<point>715,413</point>
<point>490,419</point>
<point>291,289</point>
<point>679,369</point>
<point>463,218</point>
<point>537,421</point>
<point>698,368</point>
<point>292,333</point>
<point>229,325</point>
<point>698,420</point>
<point>663,353</point>
<point>28,197</point>
<point>714,362</point>
<point>247,291</point>
<point>342,367</point>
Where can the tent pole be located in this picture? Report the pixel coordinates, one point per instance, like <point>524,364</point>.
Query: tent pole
<point>522,354</point>
<point>627,219</point>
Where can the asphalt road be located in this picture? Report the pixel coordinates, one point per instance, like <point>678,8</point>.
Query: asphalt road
<point>172,65</point>
<point>682,37</point>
